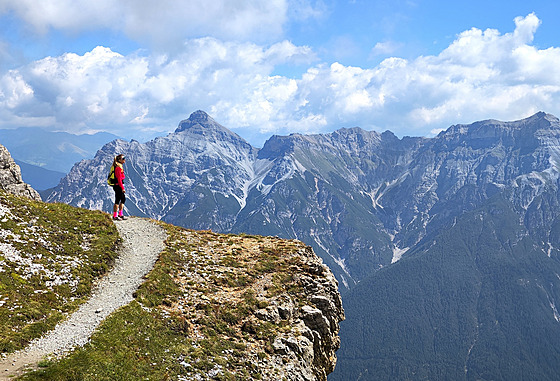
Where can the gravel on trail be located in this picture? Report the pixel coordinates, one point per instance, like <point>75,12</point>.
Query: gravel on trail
<point>142,242</point>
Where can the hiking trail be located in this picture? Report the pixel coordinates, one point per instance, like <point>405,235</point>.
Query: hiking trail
<point>142,242</point>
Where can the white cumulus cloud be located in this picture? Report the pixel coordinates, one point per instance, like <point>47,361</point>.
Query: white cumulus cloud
<point>165,22</point>
<point>481,74</point>
<point>103,88</point>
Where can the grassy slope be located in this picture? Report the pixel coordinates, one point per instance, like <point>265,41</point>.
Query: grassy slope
<point>50,255</point>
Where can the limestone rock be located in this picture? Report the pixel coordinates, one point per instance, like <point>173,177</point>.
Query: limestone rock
<point>10,177</point>
<point>308,352</point>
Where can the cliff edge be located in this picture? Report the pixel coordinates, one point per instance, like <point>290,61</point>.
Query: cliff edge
<point>270,304</point>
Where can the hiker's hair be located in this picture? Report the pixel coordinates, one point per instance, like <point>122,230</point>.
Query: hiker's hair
<point>116,159</point>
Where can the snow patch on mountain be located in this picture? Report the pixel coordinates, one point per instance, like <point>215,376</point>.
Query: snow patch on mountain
<point>257,171</point>
<point>551,303</point>
<point>339,261</point>
<point>398,253</point>
<point>346,276</point>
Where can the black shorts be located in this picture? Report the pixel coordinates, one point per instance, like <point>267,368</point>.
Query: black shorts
<point>119,195</point>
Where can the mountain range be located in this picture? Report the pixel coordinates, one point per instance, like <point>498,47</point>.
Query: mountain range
<point>445,248</point>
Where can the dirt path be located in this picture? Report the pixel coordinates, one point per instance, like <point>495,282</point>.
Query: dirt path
<point>142,243</point>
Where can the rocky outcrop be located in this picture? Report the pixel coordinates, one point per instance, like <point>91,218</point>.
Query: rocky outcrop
<point>308,352</point>
<point>272,301</point>
<point>10,177</point>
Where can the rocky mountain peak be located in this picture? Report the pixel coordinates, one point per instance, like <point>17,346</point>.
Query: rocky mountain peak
<point>200,122</point>
<point>198,119</point>
<point>277,146</point>
<point>488,133</point>
<point>201,126</point>
<point>540,115</point>
<point>544,121</point>
<point>353,139</point>
<point>536,122</point>
<point>10,177</point>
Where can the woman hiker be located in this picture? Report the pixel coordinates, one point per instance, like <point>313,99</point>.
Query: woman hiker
<point>116,178</point>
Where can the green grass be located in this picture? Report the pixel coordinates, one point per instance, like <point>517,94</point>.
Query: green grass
<point>134,344</point>
<point>50,256</point>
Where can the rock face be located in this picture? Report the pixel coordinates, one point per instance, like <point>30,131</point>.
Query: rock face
<point>10,177</point>
<point>311,352</point>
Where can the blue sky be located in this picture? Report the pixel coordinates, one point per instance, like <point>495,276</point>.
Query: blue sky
<point>138,67</point>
